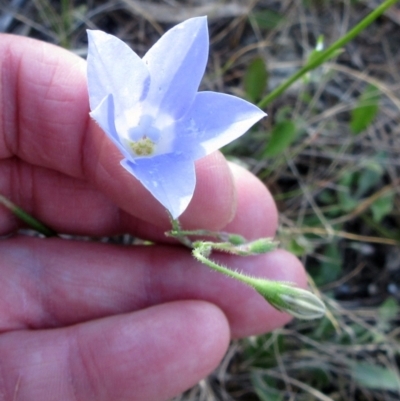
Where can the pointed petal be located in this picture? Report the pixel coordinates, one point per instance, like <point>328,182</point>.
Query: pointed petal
<point>214,120</point>
<point>169,178</point>
<point>112,67</point>
<point>176,64</point>
<point>104,116</point>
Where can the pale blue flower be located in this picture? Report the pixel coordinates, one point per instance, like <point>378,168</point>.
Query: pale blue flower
<point>151,110</point>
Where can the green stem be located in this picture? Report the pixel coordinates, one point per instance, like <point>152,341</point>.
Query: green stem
<point>27,218</point>
<point>324,55</point>
<point>178,233</point>
<point>198,254</point>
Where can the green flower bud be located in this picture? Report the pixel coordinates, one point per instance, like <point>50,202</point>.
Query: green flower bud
<point>256,247</point>
<point>262,245</point>
<point>297,302</point>
<point>303,304</point>
<point>236,239</point>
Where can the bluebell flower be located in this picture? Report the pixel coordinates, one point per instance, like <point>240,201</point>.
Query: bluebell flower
<point>151,109</point>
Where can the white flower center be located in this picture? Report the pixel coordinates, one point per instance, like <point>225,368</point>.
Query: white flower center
<point>144,137</point>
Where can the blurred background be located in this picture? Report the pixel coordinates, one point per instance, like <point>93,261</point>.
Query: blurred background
<point>329,151</point>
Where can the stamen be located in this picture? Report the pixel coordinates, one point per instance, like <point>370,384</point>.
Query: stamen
<point>143,147</point>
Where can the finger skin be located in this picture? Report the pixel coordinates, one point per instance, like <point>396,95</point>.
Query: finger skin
<point>44,122</point>
<point>149,355</point>
<point>256,213</point>
<point>74,206</point>
<point>52,283</point>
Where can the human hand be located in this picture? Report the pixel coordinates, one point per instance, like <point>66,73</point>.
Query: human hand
<point>93,321</point>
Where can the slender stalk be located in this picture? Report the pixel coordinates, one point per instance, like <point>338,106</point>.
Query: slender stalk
<point>198,254</point>
<point>324,55</point>
<point>27,218</point>
<point>178,233</point>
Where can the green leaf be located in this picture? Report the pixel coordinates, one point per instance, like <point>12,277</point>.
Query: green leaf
<point>346,200</point>
<point>282,136</point>
<point>255,79</point>
<point>263,391</point>
<point>267,19</point>
<point>376,377</point>
<point>389,309</point>
<point>369,177</point>
<point>283,113</point>
<point>382,207</point>
<point>299,246</point>
<point>365,111</point>
<point>331,265</point>
<point>326,197</point>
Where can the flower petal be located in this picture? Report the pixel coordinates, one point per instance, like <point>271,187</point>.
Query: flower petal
<point>214,120</point>
<point>104,116</point>
<point>169,178</point>
<point>176,64</point>
<point>112,67</point>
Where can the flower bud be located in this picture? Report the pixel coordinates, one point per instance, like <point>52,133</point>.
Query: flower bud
<point>262,245</point>
<point>259,246</point>
<point>236,239</point>
<point>302,304</point>
<point>297,302</point>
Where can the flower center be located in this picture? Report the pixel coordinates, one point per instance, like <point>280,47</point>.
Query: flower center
<point>142,147</point>
<point>144,137</point>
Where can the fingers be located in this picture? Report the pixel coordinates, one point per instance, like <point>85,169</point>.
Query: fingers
<point>52,283</point>
<point>44,122</point>
<point>256,215</point>
<point>75,206</point>
<point>149,355</point>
